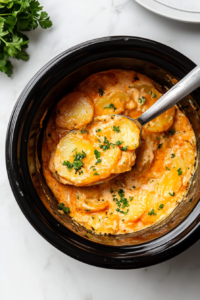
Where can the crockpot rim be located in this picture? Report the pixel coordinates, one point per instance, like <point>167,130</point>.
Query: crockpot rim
<point>40,226</point>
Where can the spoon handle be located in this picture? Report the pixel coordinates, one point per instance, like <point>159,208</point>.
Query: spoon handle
<point>184,87</point>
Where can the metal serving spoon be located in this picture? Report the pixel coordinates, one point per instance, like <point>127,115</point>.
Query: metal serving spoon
<point>184,87</point>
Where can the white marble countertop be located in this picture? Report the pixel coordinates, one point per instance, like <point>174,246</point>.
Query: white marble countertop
<point>30,268</point>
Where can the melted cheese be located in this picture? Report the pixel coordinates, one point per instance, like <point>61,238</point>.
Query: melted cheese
<point>143,195</point>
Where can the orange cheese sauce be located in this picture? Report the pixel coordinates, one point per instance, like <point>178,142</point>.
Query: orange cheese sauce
<point>143,194</point>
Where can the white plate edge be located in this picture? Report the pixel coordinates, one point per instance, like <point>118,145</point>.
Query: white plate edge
<point>168,16</point>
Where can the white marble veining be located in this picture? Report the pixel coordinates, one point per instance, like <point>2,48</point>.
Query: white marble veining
<point>30,268</point>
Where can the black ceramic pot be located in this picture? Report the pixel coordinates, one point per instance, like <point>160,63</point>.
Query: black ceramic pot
<point>23,146</point>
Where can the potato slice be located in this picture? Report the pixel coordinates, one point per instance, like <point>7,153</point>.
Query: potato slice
<point>129,133</point>
<point>74,111</point>
<point>170,183</point>
<point>89,171</point>
<point>163,122</point>
<point>118,130</point>
<point>182,158</point>
<point>125,163</point>
<point>156,208</point>
<point>94,206</point>
<point>88,193</point>
<point>110,103</point>
<point>137,207</point>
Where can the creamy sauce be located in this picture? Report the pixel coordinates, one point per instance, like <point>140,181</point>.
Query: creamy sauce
<point>164,165</point>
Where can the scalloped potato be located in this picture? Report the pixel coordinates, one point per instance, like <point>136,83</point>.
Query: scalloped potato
<point>74,111</point>
<point>152,184</point>
<point>93,153</point>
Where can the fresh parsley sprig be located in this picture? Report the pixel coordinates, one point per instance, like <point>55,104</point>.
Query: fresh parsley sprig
<point>17,16</point>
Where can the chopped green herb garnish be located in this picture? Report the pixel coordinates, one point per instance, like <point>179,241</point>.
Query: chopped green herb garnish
<point>67,164</point>
<point>161,206</point>
<point>158,138</point>
<point>106,140</point>
<point>74,150</point>
<point>107,144</point>
<point>111,190</point>
<point>159,146</point>
<point>79,155</point>
<point>111,105</point>
<point>116,128</point>
<point>77,196</point>
<point>134,186</point>
<point>131,198</point>
<point>172,131</point>
<point>124,148</point>
<point>97,153</point>
<point>123,201</point>
<point>98,130</point>
<point>179,172</point>
<point>151,181</point>
<point>153,95</point>
<point>66,210</point>
<point>122,212</point>
<point>164,136</point>
<point>172,194</point>
<point>87,209</point>
<point>92,218</point>
<point>77,164</point>
<point>172,155</point>
<point>167,169</point>
<point>101,92</point>
<point>142,100</point>
<point>99,160</point>
<point>62,207</point>
<point>152,212</point>
<point>118,143</point>
<point>96,173</point>
<point>104,147</point>
<point>84,131</point>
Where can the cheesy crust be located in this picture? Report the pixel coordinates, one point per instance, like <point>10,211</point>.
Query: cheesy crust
<point>146,193</point>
